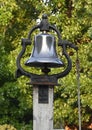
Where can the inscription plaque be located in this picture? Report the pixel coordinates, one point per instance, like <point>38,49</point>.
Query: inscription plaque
<point>43,94</point>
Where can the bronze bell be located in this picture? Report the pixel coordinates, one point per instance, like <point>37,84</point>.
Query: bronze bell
<point>44,52</point>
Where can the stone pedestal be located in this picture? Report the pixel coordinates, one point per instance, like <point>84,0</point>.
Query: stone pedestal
<point>42,107</point>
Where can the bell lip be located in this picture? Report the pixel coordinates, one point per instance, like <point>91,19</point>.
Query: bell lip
<point>47,62</point>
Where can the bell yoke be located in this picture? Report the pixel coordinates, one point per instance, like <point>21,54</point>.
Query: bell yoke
<point>44,54</point>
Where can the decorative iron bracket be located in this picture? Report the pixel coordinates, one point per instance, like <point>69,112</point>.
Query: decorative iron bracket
<point>45,79</point>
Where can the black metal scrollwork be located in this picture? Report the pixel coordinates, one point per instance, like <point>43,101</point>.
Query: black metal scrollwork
<point>45,26</point>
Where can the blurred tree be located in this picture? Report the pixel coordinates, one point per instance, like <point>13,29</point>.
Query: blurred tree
<point>74,20</point>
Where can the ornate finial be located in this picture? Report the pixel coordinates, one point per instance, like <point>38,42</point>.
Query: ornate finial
<point>44,16</point>
<point>44,25</point>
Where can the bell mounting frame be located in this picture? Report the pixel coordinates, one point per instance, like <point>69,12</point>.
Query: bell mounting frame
<point>45,78</point>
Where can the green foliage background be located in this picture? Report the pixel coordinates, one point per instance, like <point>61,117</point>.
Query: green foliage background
<point>74,20</point>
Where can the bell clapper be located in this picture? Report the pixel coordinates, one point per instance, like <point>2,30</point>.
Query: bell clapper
<point>46,70</point>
